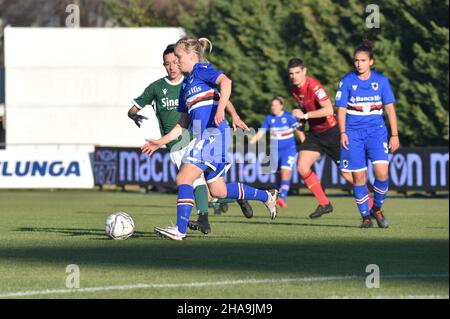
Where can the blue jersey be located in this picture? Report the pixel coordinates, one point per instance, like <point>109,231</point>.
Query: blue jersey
<point>281,129</point>
<point>364,99</point>
<point>199,97</point>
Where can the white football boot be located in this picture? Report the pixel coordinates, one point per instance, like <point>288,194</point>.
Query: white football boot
<point>271,203</point>
<point>170,232</point>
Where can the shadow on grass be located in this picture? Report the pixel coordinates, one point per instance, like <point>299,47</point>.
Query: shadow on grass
<point>73,232</point>
<point>305,257</point>
<point>253,222</point>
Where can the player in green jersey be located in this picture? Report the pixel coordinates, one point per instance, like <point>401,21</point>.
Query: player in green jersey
<point>163,96</point>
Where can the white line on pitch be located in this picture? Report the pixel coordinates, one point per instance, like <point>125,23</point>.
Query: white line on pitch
<point>209,283</point>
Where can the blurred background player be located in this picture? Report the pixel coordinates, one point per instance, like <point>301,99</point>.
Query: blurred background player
<point>163,95</point>
<point>203,98</point>
<point>361,96</point>
<point>323,136</point>
<point>281,126</point>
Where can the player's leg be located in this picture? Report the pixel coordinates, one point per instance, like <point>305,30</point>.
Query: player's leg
<point>185,179</point>
<point>354,160</point>
<point>201,195</point>
<point>286,165</point>
<point>200,191</point>
<point>378,154</point>
<point>220,189</point>
<point>331,146</point>
<point>306,159</point>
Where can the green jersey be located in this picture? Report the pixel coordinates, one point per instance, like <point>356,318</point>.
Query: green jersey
<point>163,96</point>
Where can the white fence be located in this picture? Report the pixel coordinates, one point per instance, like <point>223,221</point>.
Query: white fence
<point>70,89</point>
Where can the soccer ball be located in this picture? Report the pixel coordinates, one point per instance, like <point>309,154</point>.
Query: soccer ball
<point>119,225</point>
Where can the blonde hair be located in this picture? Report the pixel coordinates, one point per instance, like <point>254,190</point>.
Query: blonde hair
<point>199,46</point>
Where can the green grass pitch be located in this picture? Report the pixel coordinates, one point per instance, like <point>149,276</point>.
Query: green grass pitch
<point>41,232</point>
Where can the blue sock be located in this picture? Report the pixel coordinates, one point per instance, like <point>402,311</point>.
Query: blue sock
<point>284,189</point>
<point>185,203</point>
<point>380,189</point>
<point>362,199</point>
<point>242,191</point>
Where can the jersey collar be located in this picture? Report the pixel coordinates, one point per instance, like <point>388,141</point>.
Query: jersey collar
<point>174,84</point>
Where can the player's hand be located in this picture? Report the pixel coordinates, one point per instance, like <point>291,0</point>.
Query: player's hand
<point>394,143</point>
<point>220,116</point>
<point>238,123</point>
<point>150,147</point>
<point>344,140</point>
<point>138,119</point>
<point>298,114</point>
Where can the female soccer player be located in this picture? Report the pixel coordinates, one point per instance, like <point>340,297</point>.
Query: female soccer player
<point>282,126</point>
<point>164,94</point>
<point>360,97</point>
<point>203,111</point>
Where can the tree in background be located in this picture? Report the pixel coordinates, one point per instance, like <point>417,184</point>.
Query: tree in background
<point>155,13</point>
<point>254,39</point>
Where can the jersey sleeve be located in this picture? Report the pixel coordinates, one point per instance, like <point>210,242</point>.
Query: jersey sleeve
<point>387,95</point>
<point>182,108</point>
<point>342,94</point>
<point>320,94</point>
<point>265,124</point>
<point>293,123</point>
<point>208,74</point>
<point>146,98</point>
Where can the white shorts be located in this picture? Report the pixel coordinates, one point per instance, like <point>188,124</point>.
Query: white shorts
<point>177,157</point>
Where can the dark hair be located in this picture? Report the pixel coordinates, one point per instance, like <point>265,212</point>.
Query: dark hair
<point>170,49</point>
<point>279,99</point>
<point>296,62</point>
<point>365,46</point>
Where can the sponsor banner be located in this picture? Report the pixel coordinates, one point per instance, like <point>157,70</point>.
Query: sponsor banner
<point>411,169</point>
<point>34,169</point>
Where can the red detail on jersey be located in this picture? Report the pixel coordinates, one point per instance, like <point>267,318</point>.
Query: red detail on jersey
<point>360,108</point>
<point>308,98</point>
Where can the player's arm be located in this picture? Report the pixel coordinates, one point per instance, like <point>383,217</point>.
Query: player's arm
<point>257,136</point>
<point>224,84</point>
<point>342,113</point>
<point>137,118</point>
<point>326,109</point>
<point>394,141</point>
<point>237,122</point>
<point>300,135</point>
<point>152,145</point>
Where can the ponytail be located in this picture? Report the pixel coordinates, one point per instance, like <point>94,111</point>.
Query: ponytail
<point>199,46</point>
<point>365,46</point>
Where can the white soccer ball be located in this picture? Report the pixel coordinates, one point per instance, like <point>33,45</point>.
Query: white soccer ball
<point>119,225</point>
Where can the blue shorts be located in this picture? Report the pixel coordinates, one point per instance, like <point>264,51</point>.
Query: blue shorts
<point>364,144</point>
<point>211,156</point>
<point>285,158</point>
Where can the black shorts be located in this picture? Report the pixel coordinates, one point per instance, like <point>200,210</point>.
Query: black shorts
<point>328,142</point>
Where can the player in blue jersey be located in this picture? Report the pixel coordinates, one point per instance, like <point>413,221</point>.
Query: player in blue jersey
<point>361,96</point>
<point>203,98</point>
<point>281,125</point>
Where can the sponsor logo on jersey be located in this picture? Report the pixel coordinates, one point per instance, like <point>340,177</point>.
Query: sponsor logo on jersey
<point>321,94</point>
<point>194,90</point>
<point>166,102</point>
<point>374,98</point>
